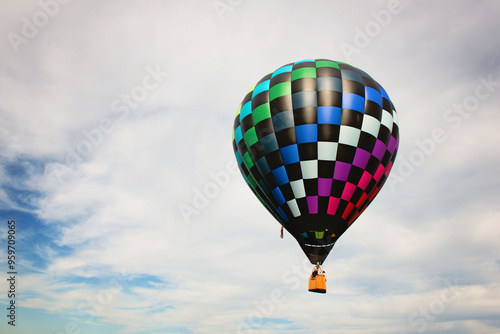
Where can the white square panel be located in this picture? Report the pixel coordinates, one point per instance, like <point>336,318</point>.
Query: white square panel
<point>309,169</point>
<point>395,117</point>
<point>386,119</point>
<point>327,150</point>
<point>294,207</point>
<point>299,191</point>
<point>370,125</point>
<point>349,135</point>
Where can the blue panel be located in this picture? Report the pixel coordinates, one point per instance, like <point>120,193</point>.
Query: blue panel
<point>307,133</point>
<point>263,166</point>
<point>329,83</point>
<point>283,69</point>
<point>329,115</point>
<point>278,195</point>
<point>354,102</point>
<point>373,95</point>
<point>290,154</point>
<point>263,86</point>
<point>283,120</point>
<point>384,93</point>
<point>280,176</point>
<point>351,75</point>
<point>238,135</point>
<point>269,143</point>
<point>238,158</point>
<point>305,61</point>
<point>282,214</point>
<point>304,99</point>
<point>246,110</point>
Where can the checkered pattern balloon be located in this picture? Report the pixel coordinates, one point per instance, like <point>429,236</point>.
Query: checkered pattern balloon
<point>315,140</point>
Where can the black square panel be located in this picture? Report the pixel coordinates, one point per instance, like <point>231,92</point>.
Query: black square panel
<point>274,159</point>
<point>337,188</point>
<point>303,84</point>
<point>304,64</point>
<point>264,128</point>
<point>346,153</point>
<point>260,99</point>
<point>351,118</point>
<point>280,104</point>
<point>329,98</point>
<point>307,115</point>
<point>294,171</point>
<point>328,132</point>
<point>384,134</point>
<point>287,191</point>
<point>246,123</point>
<point>308,151</point>
<point>369,82</point>
<point>354,87</point>
<point>282,77</point>
<point>366,141</point>
<point>355,174</point>
<point>311,186</point>
<point>373,109</point>
<point>286,137</point>
<point>325,169</point>
<point>328,72</point>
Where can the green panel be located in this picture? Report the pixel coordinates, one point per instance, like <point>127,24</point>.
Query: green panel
<point>261,113</point>
<point>252,182</point>
<point>319,235</point>
<point>248,161</point>
<point>281,89</point>
<point>326,63</point>
<point>250,137</point>
<point>304,72</point>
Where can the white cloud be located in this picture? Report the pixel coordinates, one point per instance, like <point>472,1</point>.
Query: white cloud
<point>117,205</point>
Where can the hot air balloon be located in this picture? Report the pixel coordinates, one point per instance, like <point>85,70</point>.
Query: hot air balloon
<point>315,141</point>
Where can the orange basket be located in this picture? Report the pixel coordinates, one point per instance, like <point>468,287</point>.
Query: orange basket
<point>317,281</point>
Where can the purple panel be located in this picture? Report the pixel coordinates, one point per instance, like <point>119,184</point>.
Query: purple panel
<point>361,158</point>
<point>324,186</point>
<point>392,145</point>
<point>379,150</point>
<point>341,171</point>
<point>312,203</point>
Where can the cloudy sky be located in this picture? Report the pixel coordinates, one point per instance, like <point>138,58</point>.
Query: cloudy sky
<point>116,164</point>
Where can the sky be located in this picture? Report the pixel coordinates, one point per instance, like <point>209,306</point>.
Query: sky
<point>117,167</point>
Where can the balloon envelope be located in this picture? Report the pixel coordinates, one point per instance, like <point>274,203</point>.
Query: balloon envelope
<point>315,140</point>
